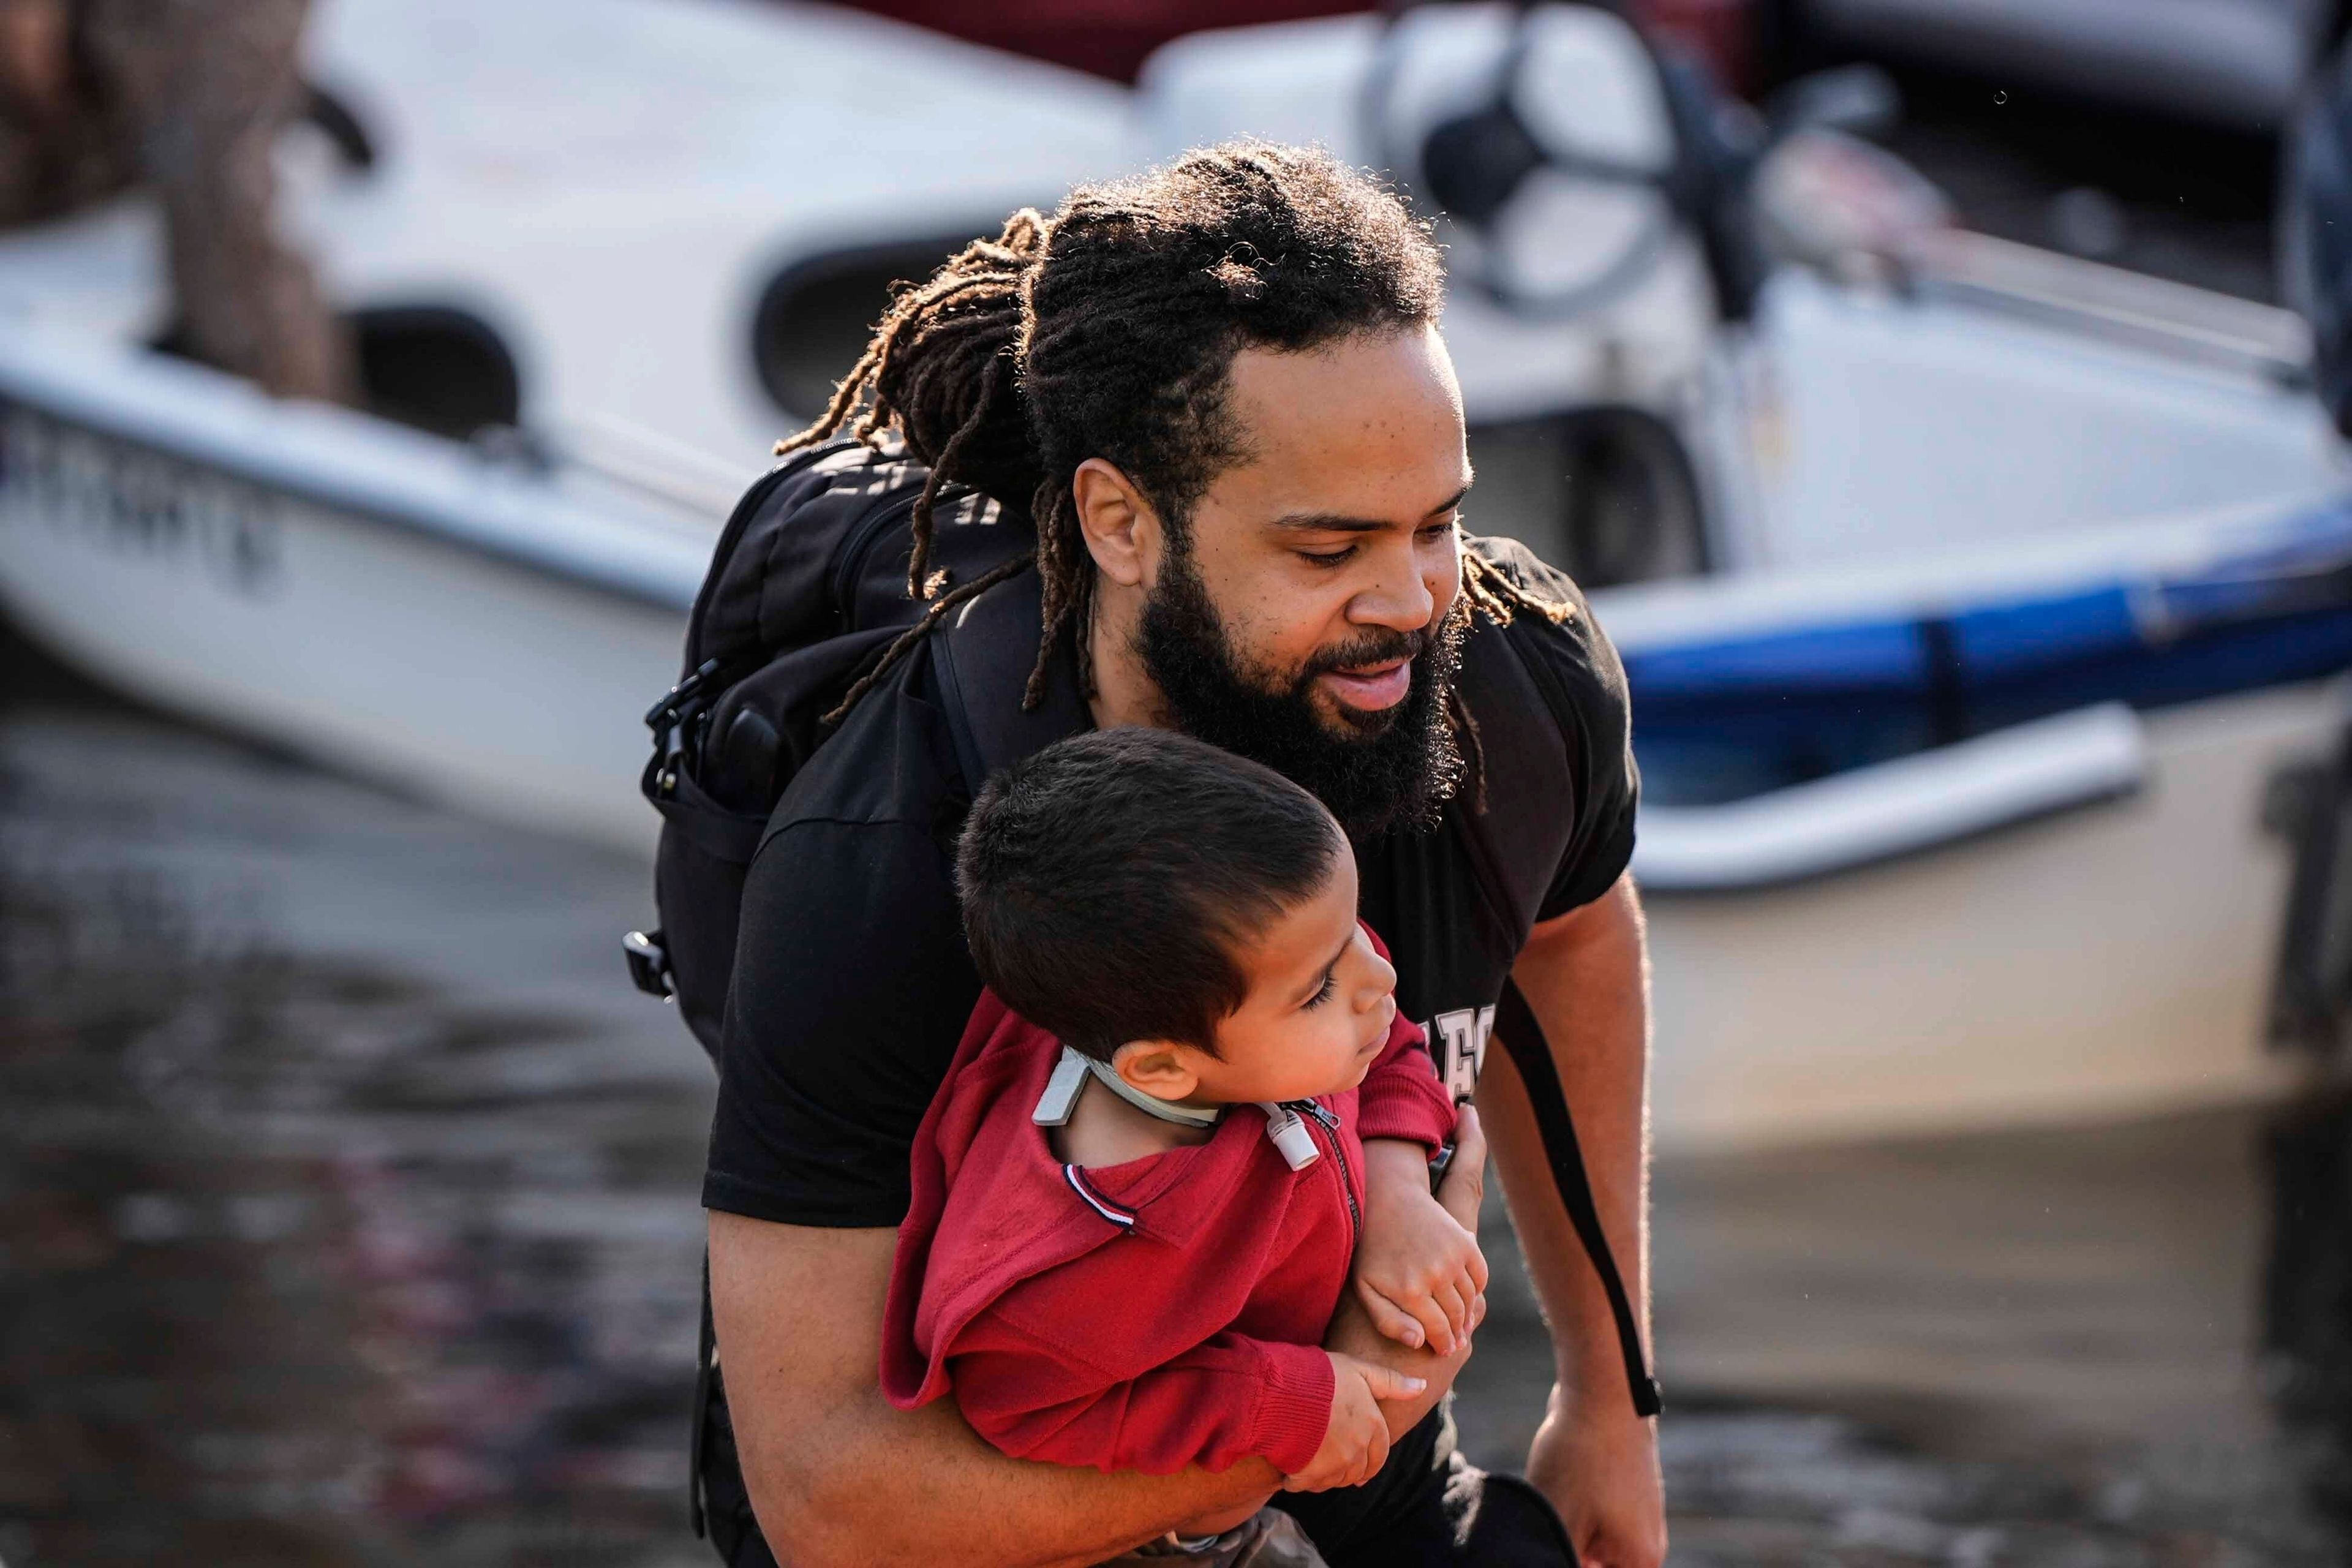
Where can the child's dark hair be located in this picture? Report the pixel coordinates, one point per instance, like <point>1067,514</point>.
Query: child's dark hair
<point>1108,881</point>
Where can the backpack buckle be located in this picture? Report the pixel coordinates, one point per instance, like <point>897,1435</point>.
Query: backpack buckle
<point>664,714</point>
<point>681,718</point>
<point>649,965</point>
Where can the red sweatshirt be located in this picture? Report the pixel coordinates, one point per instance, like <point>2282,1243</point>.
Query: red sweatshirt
<point>1145,1316</point>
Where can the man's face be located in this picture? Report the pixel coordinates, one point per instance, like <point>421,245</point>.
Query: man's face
<point>1307,618</point>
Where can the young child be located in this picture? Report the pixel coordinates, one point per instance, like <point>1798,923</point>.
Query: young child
<point>1138,1196</point>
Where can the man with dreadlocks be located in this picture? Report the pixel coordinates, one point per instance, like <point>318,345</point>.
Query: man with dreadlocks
<point>1216,396</point>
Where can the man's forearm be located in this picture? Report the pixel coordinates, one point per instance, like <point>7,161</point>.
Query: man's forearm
<point>1395,1168</point>
<point>879,1485</point>
<point>837,1474</point>
<point>1584,977</point>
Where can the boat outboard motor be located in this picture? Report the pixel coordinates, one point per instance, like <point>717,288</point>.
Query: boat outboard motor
<point>2316,232</point>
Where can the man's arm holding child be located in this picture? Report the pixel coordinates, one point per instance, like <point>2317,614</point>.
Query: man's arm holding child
<point>839,1475</point>
<point>1418,1273</point>
<point>1307,1411</point>
<point>1396,1174</point>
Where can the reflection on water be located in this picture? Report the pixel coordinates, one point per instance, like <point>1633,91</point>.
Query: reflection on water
<point>285,1290</point>
<point>347,1215</point>
<point>2014,1348</point>
<point>302,1260</point>
<point>2307,1285</point>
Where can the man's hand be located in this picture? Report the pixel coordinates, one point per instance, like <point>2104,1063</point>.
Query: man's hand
<point>1601,1466</point>
<point>1419,1272</point>
<point>1356,1440</point>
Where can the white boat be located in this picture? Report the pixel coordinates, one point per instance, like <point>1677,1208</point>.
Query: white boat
<point>632,241</point>
<point>2074,913</point>
<point>586,222</point>
<point>1916,936</point>
<point>400,606</point>
<point>2015,865</point>
<point>1980,392</point>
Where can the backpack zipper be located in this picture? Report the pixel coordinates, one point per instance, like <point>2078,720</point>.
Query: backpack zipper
<point>1330,1125</point>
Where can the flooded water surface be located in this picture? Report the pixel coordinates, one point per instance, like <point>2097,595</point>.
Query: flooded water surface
<point>347,1199</point>
<point>348,1215</point>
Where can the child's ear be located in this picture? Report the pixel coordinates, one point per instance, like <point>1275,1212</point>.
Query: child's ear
<point>1160,1069</point>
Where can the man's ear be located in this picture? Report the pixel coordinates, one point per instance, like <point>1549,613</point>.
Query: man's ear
<point>1122,531</point>
<point>1160,1069</point>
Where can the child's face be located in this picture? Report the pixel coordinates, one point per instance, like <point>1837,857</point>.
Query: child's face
<point>1320,1005</point>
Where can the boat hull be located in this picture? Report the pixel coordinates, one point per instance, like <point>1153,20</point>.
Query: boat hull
<point>365,640</point>
<point>2111,961</point>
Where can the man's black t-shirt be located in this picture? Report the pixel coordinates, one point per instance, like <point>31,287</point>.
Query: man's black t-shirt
<point>852,982</point>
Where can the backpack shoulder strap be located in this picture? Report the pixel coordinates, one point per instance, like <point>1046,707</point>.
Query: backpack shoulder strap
<point>1514,854</point>
<point>982,658</point>
<point>1524,759</point>
<point>1523,1037</point>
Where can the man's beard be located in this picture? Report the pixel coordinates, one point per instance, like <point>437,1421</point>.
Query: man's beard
<point>1395,768</point>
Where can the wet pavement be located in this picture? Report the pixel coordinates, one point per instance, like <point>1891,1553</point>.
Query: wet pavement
<point>347,1215</point>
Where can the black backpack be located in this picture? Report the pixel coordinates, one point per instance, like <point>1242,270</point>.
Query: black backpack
<point>807,587</point>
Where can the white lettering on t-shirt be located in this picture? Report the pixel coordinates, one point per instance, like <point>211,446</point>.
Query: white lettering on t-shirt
<point>1457,1039</point>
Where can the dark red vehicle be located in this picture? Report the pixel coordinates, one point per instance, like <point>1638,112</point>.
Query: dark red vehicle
<point>1112,37</point>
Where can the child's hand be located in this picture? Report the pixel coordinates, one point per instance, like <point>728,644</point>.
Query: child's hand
<point>1419,1268</point>
<point>1356,1443</point>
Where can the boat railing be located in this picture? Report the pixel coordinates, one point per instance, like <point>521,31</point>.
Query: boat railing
<point>502,505</point>
<point>700,486</point>
<point>2111,303</point>
<point>1893,809</point>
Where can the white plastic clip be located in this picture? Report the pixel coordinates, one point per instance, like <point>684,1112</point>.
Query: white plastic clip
<point>1061,1096</point>
<point>1290,1135</point>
